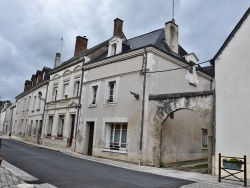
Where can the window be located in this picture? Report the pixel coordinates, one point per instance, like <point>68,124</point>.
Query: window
<point>204,138</point>
<point>55,90</point>
<point>60,126</point>
<point>50,125</point>
<point>35,128</point>
<point>24,104</point>
<point>38,104</point>
<point>66,89</point>
<point>111,91</point>
<point>28,105</point>
<point>94,94</point>
<point>30,127</point>
<point>116,136</point>
<point>77,87</point>
<point>34,103</point>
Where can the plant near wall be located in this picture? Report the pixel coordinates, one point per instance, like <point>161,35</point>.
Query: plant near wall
<point>233,160</point>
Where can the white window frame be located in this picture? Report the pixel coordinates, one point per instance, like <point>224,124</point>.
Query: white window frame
<point>92,95</point>
<point>66,89</point>
<point>108,90</point>
<point>38,104</point>
<point>55,92</point>
<point>109,142</point>
<point>77,86</point>
<point>61,126</point>
<point>34,103</point>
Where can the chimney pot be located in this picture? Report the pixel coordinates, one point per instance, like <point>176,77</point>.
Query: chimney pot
<point>57,60</point>
<point>81,45</point>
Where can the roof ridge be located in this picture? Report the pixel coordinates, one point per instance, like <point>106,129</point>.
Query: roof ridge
<point>144,34</point>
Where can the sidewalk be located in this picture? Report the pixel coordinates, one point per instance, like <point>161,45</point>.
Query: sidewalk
<point>202,180</point>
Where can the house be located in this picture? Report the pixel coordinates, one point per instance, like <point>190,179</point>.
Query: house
<point>232,92</point>
<point>116,117</point>
<point>9,117</point>
<point>30,107</point>
<point>3,121</point>
<point>64,91</point>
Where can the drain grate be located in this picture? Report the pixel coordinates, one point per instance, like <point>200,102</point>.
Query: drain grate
<point>34,182</point>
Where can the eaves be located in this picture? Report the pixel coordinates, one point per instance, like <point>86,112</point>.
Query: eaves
<point>45,82</point>
<point>66,65</point>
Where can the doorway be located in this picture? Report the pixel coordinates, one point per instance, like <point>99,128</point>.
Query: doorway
<point>90,127</point>
<point>72,129</point>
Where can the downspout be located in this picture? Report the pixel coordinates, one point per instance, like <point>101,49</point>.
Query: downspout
<point>143,72</point>
<point>11,121</point>
<point>79,106</point>
<point>41,126</point>
<point>214,132</point>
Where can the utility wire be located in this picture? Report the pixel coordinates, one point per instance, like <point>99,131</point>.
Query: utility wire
<point>178,68</point>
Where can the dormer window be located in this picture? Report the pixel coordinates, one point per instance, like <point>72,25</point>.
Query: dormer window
<point>115,46</point>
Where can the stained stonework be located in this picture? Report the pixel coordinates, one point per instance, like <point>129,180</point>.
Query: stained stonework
<point>199,102</point>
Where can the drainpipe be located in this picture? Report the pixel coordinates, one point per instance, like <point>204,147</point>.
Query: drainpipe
<point>214,132</point>
<point>143,72</point>
<point>41,126</point>
<point>79,106</point>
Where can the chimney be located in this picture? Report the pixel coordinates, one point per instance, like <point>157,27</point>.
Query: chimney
<point>57,60</point>
<point>118,23</point>
<point>27,85</point>
<point>39,75</point>
<point>81,45</point>
<point>33,80</point>
<point>171,36</point>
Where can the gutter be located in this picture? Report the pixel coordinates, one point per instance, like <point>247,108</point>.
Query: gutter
<point>79,106</point>
<point>143,72</point>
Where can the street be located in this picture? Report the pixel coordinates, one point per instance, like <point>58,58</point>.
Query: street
<point>66,171</point>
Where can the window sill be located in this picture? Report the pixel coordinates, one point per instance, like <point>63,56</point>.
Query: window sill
<point>204,148</point>
<point>47,136</point>
<point>110,103</point>
<point>92,105</point>
<point>38,109</point>
<point>59,138</point>
<point>32,110</point>
<point>114,151</point>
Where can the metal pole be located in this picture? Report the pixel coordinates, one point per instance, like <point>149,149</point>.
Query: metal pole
<point>78,107</point>
<point>245,170</point>
<point>143,105</point>
<point>219,167</point>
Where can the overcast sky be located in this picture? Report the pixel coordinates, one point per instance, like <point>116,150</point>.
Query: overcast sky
<point>30,29</point>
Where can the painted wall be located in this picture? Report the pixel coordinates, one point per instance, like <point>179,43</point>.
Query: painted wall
<point>182,138</point>
<point>232,96</point>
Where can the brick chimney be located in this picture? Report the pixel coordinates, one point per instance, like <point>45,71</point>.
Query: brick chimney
<point>27,85</point>
<point>33,79</point>
<point>57,60</point>
<point>81,45</point>
<point>118,24</point>
<point>171,36</point>
<point>39,75</point>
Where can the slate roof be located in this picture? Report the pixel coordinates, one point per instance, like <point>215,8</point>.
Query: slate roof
<point>155,38</point>
<point>207,69</point>
<point>231,35</point>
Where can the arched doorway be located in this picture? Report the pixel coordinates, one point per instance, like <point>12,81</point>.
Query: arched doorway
<point>200,103</point>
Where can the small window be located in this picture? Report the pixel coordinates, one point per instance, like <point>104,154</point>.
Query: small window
<point>28,106</point>
<point>24,104</point>
<point>55,90</point>
<point>204,138</point>
<point>66,89</point>
<point>94,94</point>
<point>60,126</point>
<point>50,125</point>
<point>111,92</point>
<point>77,87</point>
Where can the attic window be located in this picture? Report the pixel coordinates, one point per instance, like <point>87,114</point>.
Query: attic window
<point>115,46</point>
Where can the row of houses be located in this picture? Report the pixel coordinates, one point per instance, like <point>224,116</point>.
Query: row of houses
<point>124,99</point>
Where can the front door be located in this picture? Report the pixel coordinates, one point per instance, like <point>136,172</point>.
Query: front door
<point>91,126</point>
<point>72,129</point>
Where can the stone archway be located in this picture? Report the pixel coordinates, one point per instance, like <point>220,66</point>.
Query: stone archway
<point>199,102</point>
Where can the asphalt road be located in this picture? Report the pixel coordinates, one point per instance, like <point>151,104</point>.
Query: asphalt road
<point>66,171</point>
